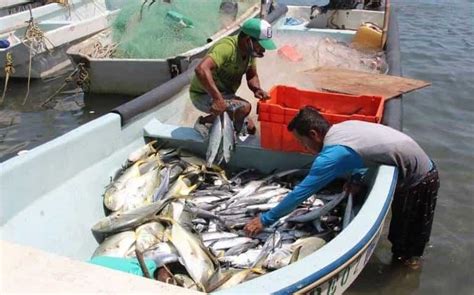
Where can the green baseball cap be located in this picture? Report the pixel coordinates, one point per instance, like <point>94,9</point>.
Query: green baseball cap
<point>260,30</point>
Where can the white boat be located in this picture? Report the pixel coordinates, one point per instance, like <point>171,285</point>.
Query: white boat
<point>51,195</point>
<point>61,26</point>
<point>106,75</point>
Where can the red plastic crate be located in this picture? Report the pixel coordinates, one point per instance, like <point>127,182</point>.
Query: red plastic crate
<point>276,113</point>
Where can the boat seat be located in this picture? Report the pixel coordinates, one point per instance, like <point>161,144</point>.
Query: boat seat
<point>157,129</point>
<point>247,154</point>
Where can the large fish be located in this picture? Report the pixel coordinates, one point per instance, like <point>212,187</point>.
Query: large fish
<point>114,201</point>
<point>184,185</point>
<point>139,190</point>
<point>162,254</point>
<point>215,139</point>
<point>197,260</point>
<point>118,245</point>
<point>142,152</point>
<point>148,235</point>
<point>307,246</point>
<point>134,182</point>
<point>118,222</point>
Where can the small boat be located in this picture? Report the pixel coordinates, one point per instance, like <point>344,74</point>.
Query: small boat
<point>44,40</point>
<point>51,194</point>
<point>106,75</point>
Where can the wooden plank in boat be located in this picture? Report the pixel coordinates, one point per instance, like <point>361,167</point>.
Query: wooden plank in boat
<point>360,83</point>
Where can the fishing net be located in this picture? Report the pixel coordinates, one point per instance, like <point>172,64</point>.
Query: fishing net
<point>156,30</point>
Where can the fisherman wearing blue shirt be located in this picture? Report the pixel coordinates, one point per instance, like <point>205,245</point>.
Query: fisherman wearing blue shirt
<point>351,145</point>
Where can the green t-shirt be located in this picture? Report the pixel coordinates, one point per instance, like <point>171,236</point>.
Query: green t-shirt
<point>129,265</point>
<point>230,67</point>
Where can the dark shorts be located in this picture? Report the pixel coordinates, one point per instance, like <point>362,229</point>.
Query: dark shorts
<point>204,102</point>
<point>412,216</point>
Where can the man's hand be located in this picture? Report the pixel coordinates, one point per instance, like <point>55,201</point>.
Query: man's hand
<point>253,227</point>
<point>218,106</point>
<point>261,94</point>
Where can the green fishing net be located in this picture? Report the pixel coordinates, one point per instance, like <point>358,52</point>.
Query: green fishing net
<point>165,29</point>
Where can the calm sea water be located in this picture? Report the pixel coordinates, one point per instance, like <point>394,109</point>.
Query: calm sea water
<point>437,45</point>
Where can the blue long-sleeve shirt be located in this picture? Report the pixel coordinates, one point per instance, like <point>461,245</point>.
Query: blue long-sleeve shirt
<point>332,162</point>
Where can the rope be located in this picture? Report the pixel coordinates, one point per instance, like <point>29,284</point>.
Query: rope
<point>36,41</point>
<point>103,51</point>
<point>82,80</point>
<point>9,70</point>
<point>66,81</point>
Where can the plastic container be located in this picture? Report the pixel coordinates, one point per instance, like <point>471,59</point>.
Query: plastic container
<point>276,113</point>
<point>368,36</point>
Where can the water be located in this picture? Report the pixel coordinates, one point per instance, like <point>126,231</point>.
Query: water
<point>25,126</point>
<point>437,45</point>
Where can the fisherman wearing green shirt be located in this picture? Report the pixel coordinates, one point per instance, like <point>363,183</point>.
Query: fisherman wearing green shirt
<point>219,75</point>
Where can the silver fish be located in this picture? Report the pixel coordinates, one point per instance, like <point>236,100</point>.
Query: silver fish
<point>228,141</point>
<point>211,236</point>
<point>254,185</point>
<point>162,189</point>
<point>243,260</point>
<point>215,139</point>
<point>318,212</point>
<point>259,198</point>
<point>348,214</point>
<point>224,244</point>
<point>239,249</point>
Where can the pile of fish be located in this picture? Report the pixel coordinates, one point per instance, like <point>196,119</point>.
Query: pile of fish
<point>168,206</point>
